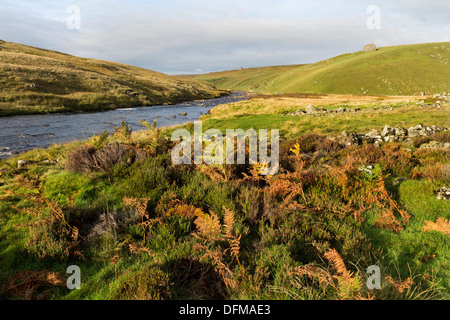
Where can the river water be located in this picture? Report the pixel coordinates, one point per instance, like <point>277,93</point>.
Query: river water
<point>23,133</point>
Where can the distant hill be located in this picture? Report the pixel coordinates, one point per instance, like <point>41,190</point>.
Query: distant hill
<point>34,80</point>
<point>398,70</point>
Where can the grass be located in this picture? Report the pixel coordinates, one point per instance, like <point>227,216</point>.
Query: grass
<point>34,81</point>
<point>268,113</point>
<point>225,232</point>
<point>398,70</point>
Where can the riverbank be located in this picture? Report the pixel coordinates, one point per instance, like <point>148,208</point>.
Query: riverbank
<point>22,133</point>
<point>38,81</point>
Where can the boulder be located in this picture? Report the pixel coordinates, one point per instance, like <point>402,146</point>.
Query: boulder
<point>390,138</point>
<point>349,138</point>
<point>373,134</point>
<point>387,131</point>
<point>415,131</point>
<point>22,163</point>
<point>370,47</point>
<point>311,109</point>
<point>401,133</point>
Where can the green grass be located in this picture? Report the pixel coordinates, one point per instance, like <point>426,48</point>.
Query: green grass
<point>34,80</point>
<point>267,114</point>
<point>278,233</point>
<point>398,70</point>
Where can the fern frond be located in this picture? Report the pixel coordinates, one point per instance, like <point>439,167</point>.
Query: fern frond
<point>400,286</point>
<point>208,227</point>
<point>338,264</point>
<point>183,210</point>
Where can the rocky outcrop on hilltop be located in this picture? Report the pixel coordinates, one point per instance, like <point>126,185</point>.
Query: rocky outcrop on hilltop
<point>370,47</point>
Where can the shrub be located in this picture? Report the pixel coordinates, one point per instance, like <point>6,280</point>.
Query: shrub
<point>397,161</point>
<point>437,172</point>
<point>147,283</point>
<point>443,137</point>
<point>313,142</point>
<point>89,159</point>
<point>420,140</point>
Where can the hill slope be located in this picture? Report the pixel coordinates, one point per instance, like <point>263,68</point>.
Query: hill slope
<point>399,70</point>
<point>35,80</point>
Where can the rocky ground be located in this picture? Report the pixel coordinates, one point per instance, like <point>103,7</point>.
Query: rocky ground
<point>399,134</point>
<point>311,110</point>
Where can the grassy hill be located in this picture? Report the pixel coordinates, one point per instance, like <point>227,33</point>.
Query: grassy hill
<point>399,70</point>
<point>35,80</point>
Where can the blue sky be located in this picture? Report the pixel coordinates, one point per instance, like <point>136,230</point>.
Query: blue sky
<point>197,36</point>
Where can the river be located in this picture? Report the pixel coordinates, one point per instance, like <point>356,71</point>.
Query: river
<point>23,133</point>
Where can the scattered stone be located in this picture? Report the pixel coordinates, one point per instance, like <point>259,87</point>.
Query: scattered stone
<point>443,193</point>
<point>341,110</point>
<point>435,145</point>
<point>311,109</point>
<point>387,131</point>
<point>22,163</point>
<point>184,114</point>
<point>173,117</point>
<point>367,169</point>
<point>349,138</point>
<point>373,134</point>
<point>398,181</point>
<point>390,138</point>
<point>366,139</point>
<point>400,133</point>
<point>415,131</point>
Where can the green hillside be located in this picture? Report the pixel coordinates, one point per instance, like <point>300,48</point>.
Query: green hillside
<point>35,80</point>
<point>399,70</point>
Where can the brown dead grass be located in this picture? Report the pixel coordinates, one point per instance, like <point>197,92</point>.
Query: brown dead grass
<point>27,284</point>
<point>441,225</point>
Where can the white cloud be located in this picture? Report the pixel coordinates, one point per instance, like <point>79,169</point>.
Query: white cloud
<point>177,36</point>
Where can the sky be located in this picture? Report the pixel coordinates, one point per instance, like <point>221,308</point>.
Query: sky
<point>200,36</point>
